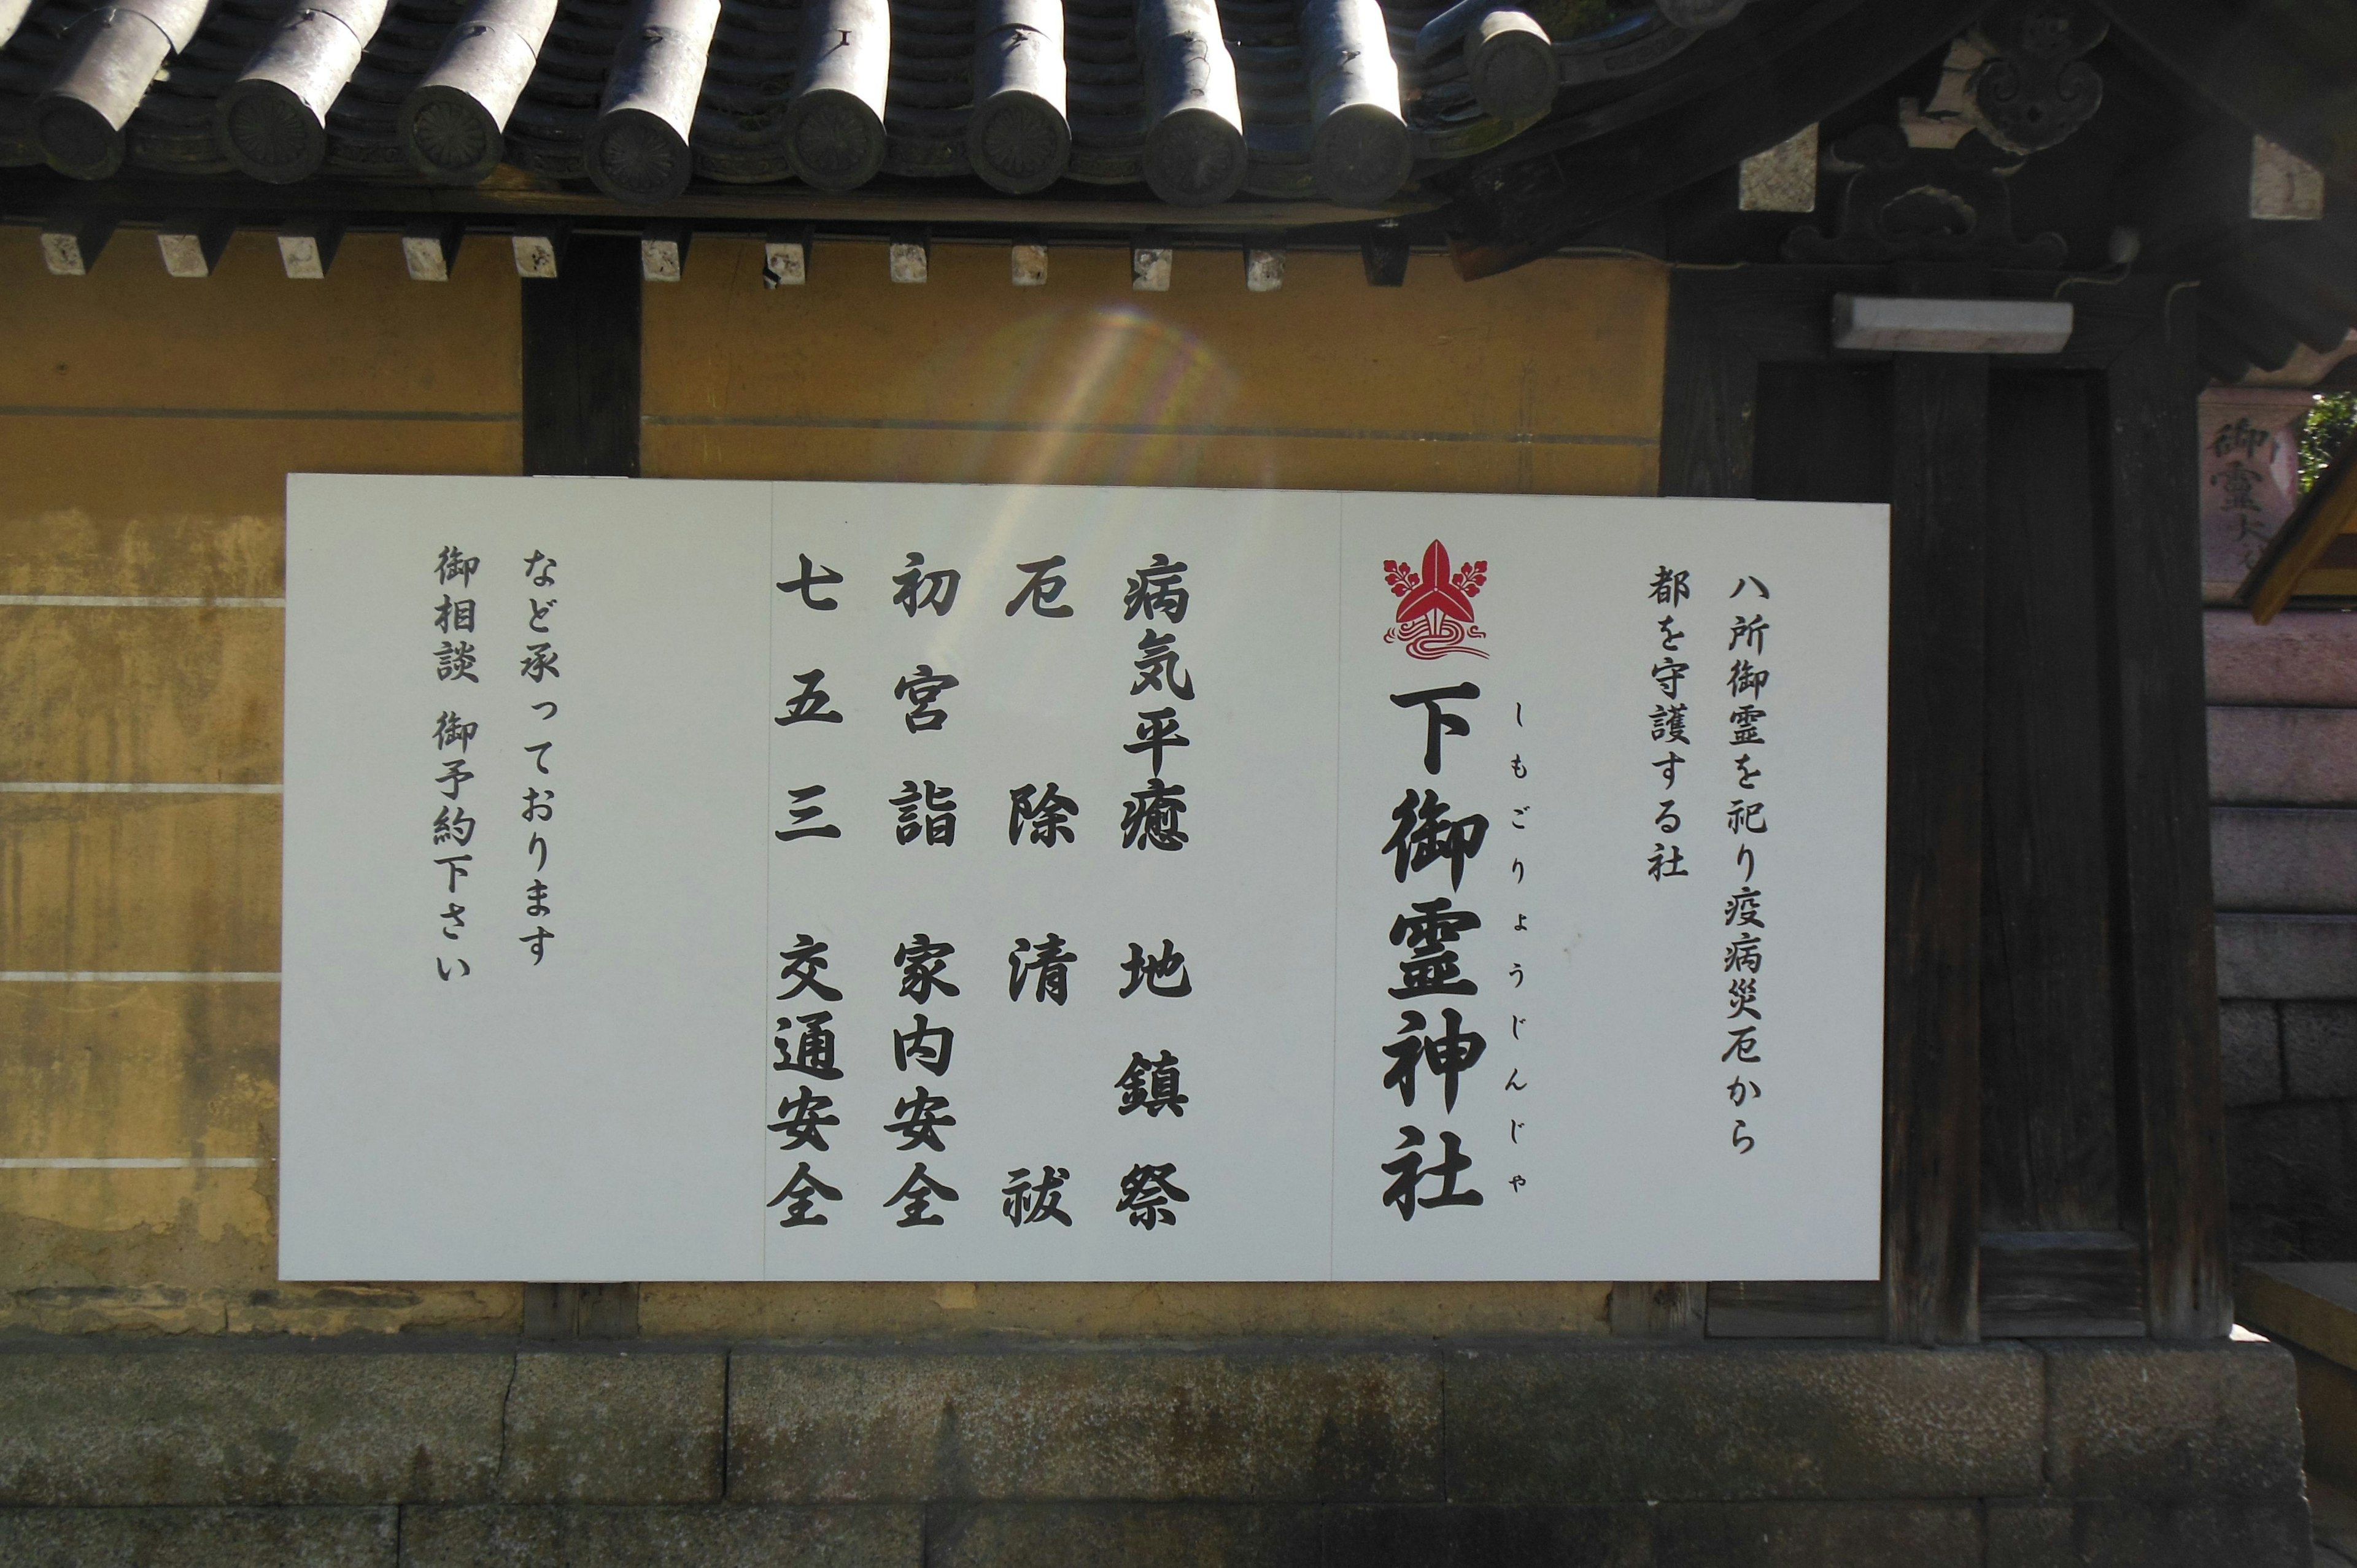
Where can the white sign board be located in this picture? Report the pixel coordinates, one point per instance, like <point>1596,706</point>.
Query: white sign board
<point>693,880</point>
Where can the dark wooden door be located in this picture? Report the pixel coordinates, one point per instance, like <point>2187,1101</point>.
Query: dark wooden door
<point>2052,1120</point>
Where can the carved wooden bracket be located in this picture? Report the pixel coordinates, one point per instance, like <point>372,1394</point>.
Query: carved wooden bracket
<point>2034,90</point>
<point>1906,203</point>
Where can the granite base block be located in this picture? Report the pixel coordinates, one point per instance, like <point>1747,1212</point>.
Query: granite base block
<point>201,1424</point>
<point>1300,1425</point>
<point>707,1536</point>
<point>1720,1422</point>
<point>2138,1420</point>
<point>640,1425</point>
<point>200,1538</point>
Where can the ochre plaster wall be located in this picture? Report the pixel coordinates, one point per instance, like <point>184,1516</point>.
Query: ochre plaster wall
<point>1546,380</point>
<point>147,426</point>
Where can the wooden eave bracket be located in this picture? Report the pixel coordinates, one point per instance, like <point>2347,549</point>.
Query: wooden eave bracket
<point>2323,515</point>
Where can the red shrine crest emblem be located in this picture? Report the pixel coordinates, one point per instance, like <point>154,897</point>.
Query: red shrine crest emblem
<point>1436,604</point>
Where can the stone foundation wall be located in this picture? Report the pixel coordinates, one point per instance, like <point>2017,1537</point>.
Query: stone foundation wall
<point>2282,781</point>
<point>2008,1454</point>
<point>2292,1128</point>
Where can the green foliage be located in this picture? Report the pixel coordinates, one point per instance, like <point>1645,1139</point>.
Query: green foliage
<point>2328,427</point>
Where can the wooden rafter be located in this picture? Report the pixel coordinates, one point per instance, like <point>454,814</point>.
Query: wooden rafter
<point>1630,154</point>
<point>2287,69</point>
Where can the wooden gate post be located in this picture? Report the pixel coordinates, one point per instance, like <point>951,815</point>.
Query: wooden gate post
<point>581,416</point>
<point>581,362</point>
<point>1930,1135</point>
<point>2173,1115</point>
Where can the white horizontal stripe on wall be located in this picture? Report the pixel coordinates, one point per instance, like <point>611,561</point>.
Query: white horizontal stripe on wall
<point>38,787</point>
<point>103,976</point>
<point>177,1163</point>
<point>137,602</point>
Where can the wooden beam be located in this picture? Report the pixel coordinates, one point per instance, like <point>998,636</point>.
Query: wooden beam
<point>307,247</point>
<point>909,257</point>
<point>1149,268</point>
<point>662,252</point>
<point>539,249</point>
<point>2173,1116</point>
<point>2069,1283</point>
<point>1648,1309</point>
<point>581,1312</point>
<point>1939,523</point>
<point>1794,1309</point>
<point>786,256</point>
<point>2324,514</point>
<point>70,242</point>
<point>429,249</point>
<point>515,194</point>
<point>192,246</point>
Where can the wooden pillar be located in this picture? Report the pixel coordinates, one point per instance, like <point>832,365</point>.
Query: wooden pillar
<point>581,416</point>
<point>2172,1113</point>
<point>581,362</point>
<point>1931,1193</point>
<point>1710,404</point>
<point>2050,1001</point>
<point>1710,392</point>
<point>581,1312</point>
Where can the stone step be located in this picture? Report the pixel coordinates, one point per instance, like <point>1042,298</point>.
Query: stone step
<point>2282,756</point>
<point>2301,659</point>
<point>2280,860</point>
<point>2304,958</point>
